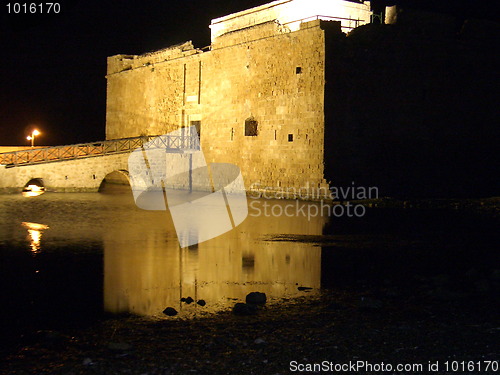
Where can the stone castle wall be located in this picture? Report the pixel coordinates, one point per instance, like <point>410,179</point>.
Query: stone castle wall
<point>264,73</point>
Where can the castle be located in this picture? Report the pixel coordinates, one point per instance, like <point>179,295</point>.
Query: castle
<point>256,96</point>
<point>283,93</point>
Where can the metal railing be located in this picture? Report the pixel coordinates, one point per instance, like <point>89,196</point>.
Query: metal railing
<point>171,143</point>
<point>350,21</point>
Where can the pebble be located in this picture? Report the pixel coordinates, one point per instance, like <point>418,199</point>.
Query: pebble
<point>170,311</point>
<point>257,298</point>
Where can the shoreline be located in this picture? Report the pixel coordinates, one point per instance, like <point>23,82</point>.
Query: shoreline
<point>385,324</point>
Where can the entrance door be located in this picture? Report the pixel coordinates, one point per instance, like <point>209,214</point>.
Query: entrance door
<point>197,124</point>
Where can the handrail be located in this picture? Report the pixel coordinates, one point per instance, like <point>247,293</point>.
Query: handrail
<point>320,17</point>
<point>93,149</point>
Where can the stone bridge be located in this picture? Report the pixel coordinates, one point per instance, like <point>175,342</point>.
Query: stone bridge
<point>75,168</point>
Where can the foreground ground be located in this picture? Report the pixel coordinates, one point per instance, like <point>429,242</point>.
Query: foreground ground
<point>435,322</point>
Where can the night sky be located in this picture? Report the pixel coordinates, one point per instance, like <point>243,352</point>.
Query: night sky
<point>53,66</point>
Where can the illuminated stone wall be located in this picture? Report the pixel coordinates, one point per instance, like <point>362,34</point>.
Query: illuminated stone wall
<point>265,73</point>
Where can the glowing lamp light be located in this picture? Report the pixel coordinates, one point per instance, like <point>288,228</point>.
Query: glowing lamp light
<point>32,137</point>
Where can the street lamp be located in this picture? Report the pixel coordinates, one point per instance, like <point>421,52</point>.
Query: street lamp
<point>32,137</point>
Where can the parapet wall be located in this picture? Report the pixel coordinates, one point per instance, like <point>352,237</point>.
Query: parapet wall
<point>290,13</point>
<point>120,63</point>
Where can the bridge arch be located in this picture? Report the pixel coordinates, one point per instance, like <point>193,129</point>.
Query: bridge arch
<point>34,187</point>
<point>115,181</point>
<point>38,181</point>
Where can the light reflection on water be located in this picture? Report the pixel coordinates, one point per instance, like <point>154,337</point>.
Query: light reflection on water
<point>145,270</point>
<point>35,231</point>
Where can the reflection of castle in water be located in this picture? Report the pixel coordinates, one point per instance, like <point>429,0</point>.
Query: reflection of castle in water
<point>146,271</point>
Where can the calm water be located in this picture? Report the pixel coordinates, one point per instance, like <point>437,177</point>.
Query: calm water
<point>67,258</point>
<point>70,256</point>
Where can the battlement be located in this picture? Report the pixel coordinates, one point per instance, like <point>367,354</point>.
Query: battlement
<point>120,63</point>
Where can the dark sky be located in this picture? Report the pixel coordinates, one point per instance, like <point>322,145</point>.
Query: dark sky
<point>53,67</point>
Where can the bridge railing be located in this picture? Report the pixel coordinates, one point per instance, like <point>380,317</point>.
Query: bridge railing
<point>86,150</point>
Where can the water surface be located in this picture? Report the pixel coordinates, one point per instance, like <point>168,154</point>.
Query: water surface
<point>66,259</point>
<point>79,242</point>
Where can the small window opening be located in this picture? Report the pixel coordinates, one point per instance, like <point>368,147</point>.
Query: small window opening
<point>290,137</point>
<point>248,261</point>
<point>251,127</point>
<point>298,70</point>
